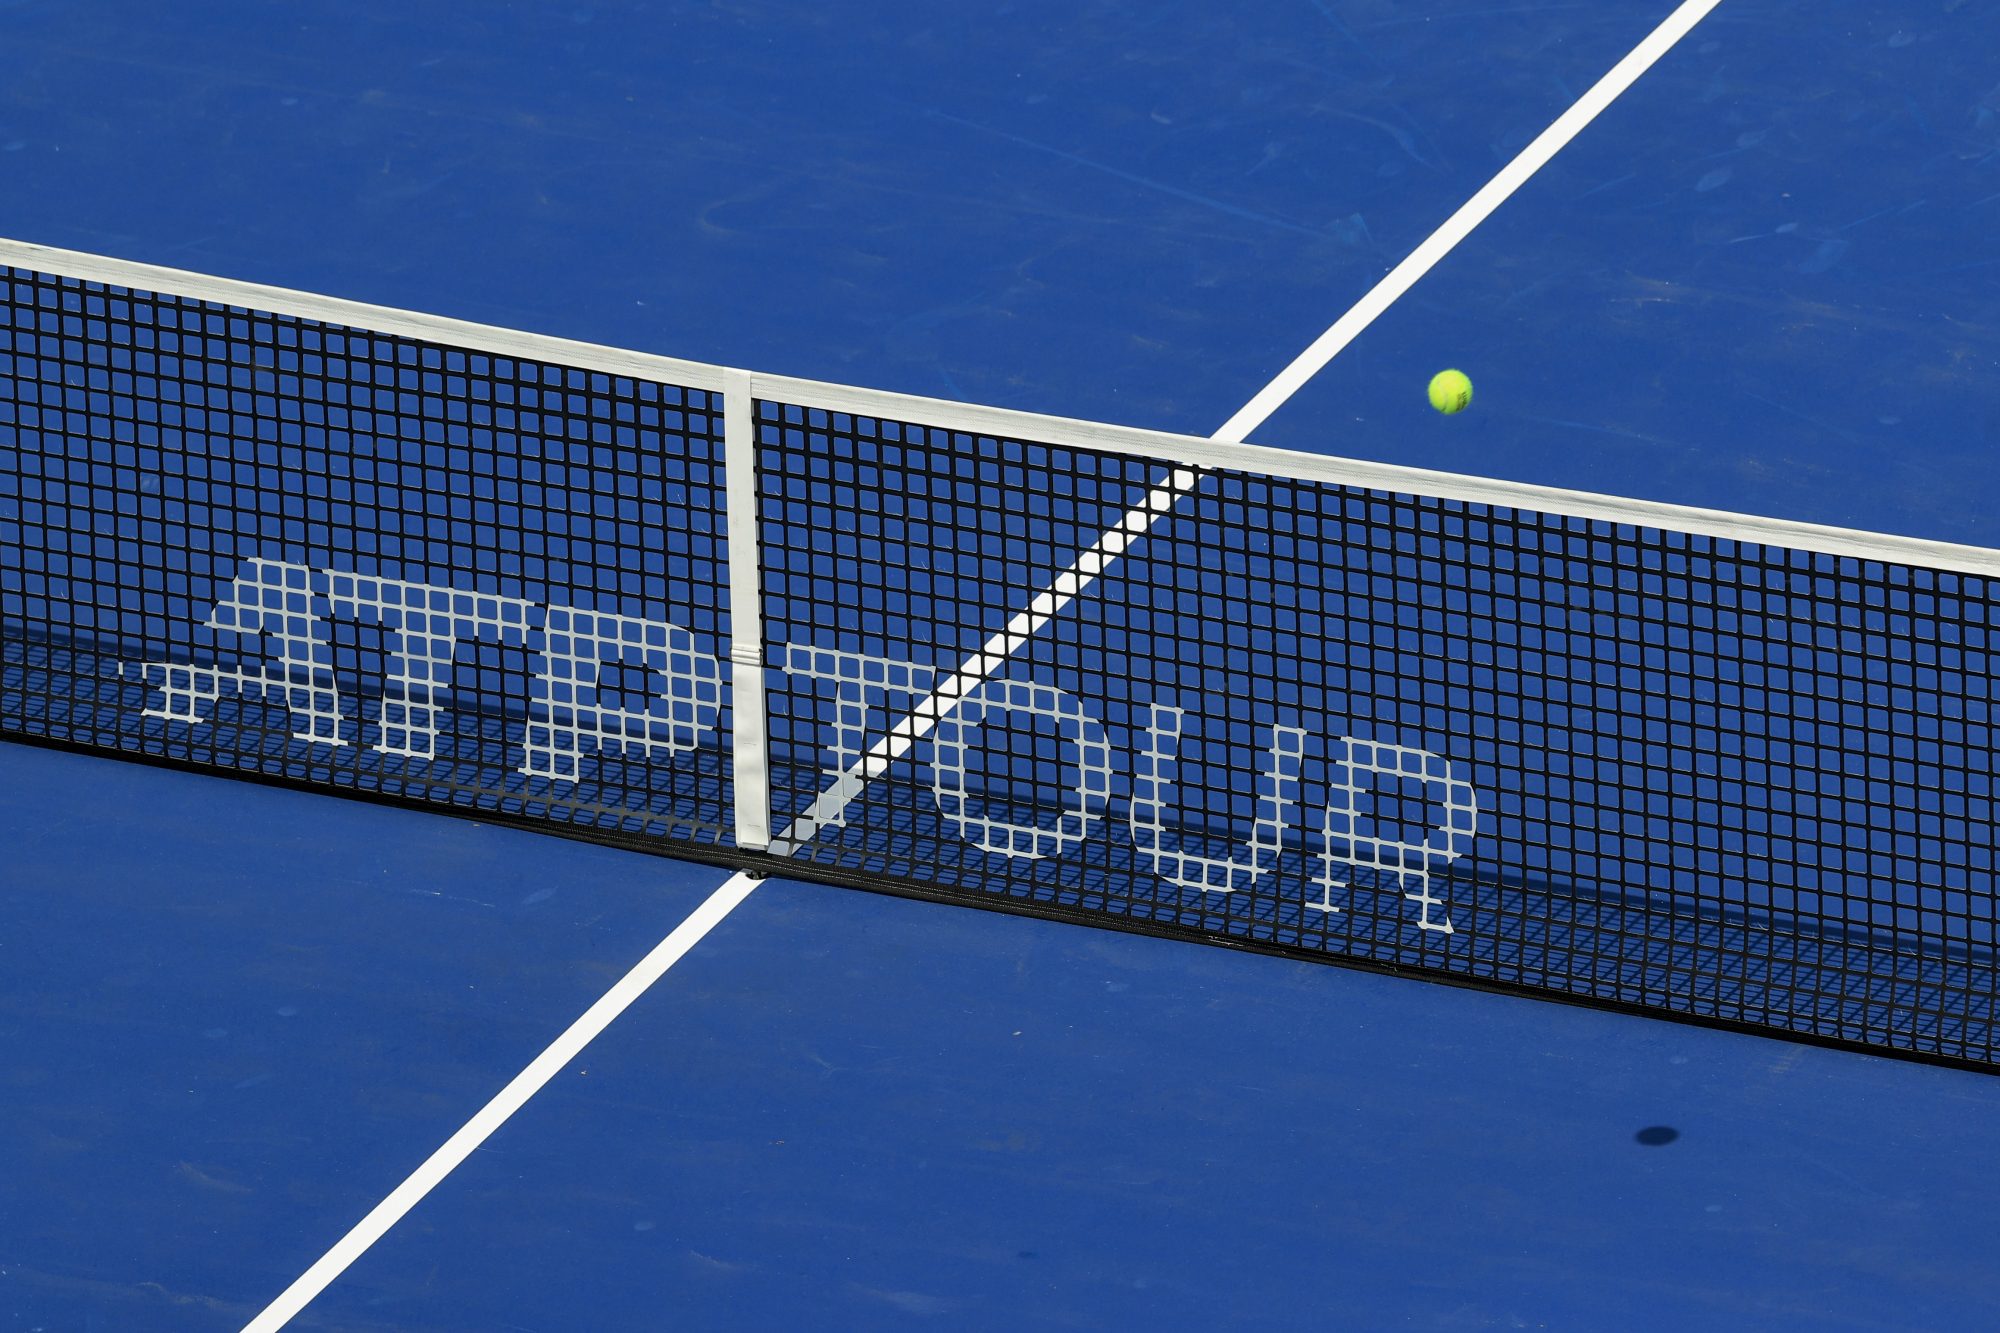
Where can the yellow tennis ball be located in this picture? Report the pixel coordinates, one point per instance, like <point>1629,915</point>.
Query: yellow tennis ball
<point>1451,391</point>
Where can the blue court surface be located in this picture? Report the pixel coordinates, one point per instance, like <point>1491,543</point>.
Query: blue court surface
<point>233,1019</point>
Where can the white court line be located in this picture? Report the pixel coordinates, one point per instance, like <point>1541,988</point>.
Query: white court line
<point>1470,214</point>
<point>1048,604</point>
<point>507,1101</point>
<point>1162,500</point>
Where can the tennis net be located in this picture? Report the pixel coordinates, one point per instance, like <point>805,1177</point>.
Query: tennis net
<point>1722,768</point>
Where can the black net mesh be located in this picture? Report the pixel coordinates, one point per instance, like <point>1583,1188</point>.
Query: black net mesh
<point>1625,765</point>
<point>1678,773</point>
<point>318,554</point>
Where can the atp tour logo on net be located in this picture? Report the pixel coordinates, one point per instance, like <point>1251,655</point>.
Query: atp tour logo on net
<point>289,612</point>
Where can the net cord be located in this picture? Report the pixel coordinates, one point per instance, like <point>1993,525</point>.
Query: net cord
<point>1008,423</point>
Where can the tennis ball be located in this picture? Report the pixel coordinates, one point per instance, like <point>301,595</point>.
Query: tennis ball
<point>1451,391</point>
